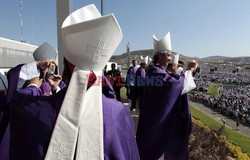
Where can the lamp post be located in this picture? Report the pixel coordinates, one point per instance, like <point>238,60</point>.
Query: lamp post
<point>102,7</point>
<point>21,19</point>
<point>128,51</point>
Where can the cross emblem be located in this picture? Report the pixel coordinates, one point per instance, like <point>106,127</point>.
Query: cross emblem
<point>61,152</point>
<point>97,50</point>
<point>90,149</point>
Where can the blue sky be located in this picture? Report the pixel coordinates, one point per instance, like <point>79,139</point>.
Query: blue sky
<point>198,28</point>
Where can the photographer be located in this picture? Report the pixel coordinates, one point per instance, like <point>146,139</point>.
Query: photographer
<point>48,83</point>
<point>40,77</point>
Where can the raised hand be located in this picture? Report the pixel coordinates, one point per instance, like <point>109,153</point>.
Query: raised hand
<point>192,65</point>
<point>54,81</point>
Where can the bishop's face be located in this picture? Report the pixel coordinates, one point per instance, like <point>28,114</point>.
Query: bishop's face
<point>165,58</point>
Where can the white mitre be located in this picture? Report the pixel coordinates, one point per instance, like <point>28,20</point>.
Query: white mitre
<point>88,34</point>
<point>89,41</point>
<point>164,44</point>
<point>145,60</point>
<point>175,58</point>
<point>45,52</point>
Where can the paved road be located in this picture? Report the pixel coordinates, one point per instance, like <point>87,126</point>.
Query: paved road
<point>215,115</point>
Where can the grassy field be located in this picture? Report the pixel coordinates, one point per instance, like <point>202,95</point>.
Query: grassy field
<point>123,92</point>
<point>238,139</point>
<point>214,89</point>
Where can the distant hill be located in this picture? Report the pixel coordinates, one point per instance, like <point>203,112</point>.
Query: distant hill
<point>238,60</point>
<point>214,58</point>
<point>123,58</point>
<point>235,60</point>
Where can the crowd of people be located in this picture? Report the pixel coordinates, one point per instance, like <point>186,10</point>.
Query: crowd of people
<point>224,73</point>
<point>75,116</point>
<point>233,100</point>
<point>227,78</point>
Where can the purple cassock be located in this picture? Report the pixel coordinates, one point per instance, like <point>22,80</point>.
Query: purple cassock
<point>2,104</point>
<point>13,76</point>
<point>140,79</point>
<point>45,89</point>
<point>32,119</point>
<point>12,81</point>
<point>31,91</point>
<point>130,82</point>
<point>4,123</point>
<point>164,123</point>
<point>2,99</point>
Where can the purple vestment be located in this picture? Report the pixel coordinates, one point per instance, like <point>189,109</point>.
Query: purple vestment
<point>140,79</point>
<point>31,91</point>
<point>140,83</point>
<point>12,77</point>
<point>164,124</point>
<point>32,119</point>
<point>2,102</point>
<point>12,81</point>
<point>46,88</point>
<point>130,82</point>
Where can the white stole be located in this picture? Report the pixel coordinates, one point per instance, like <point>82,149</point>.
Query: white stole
<point>90,138</point>
<point>79,123</point>
<point>189,83</point>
